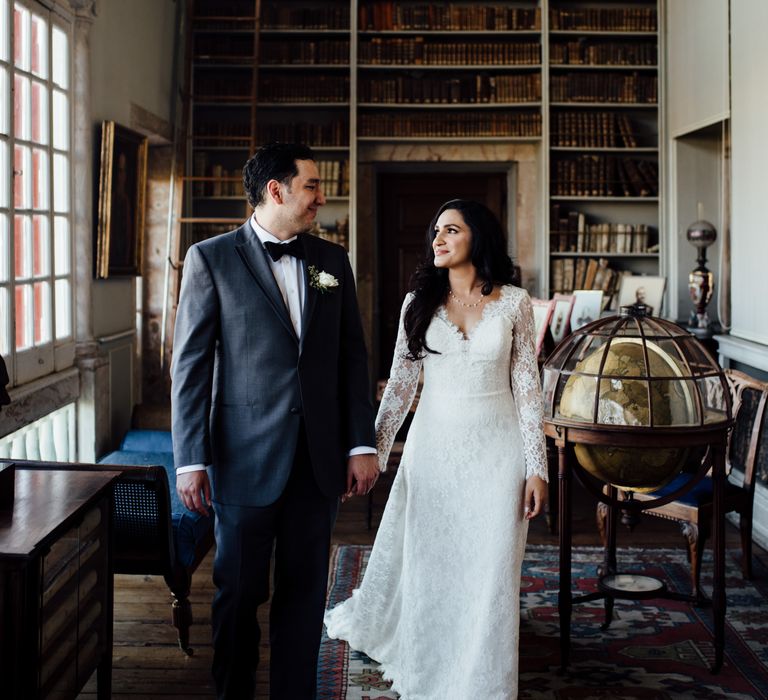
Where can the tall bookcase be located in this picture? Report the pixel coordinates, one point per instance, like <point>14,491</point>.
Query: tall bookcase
<point>447,71</point>
<point>578,78</point>
<point>603,146</point>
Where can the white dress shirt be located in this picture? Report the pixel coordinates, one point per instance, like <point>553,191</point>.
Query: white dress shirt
<point>289,275</point>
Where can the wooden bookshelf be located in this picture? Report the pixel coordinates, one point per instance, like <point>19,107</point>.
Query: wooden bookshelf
<point>580,74</point>
<point>603,143</point>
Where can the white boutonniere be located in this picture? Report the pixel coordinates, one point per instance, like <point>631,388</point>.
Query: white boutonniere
<point>322,281</point>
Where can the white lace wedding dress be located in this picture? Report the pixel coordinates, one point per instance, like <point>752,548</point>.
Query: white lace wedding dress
<point>439,603</point>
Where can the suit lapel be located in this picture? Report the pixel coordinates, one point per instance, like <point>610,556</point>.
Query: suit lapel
<point>310,293</point>
<point>251,252</point>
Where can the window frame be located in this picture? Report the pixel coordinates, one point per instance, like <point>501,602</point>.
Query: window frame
<point>56,353</point>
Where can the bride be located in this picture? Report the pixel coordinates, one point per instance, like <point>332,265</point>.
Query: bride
<point>439,604</point>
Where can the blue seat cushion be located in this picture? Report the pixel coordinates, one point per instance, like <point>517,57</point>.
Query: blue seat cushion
<point>699,495</point>
<point>189,528</point>
<point>147,441</point>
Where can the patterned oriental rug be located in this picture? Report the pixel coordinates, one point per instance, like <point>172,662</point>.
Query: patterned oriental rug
<point>653,650</point>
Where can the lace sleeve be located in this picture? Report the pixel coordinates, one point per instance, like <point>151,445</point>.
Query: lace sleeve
<point>398,396</point>
<point>526,386</point>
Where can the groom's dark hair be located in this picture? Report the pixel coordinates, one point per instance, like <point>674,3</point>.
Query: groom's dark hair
<point>273,161</point>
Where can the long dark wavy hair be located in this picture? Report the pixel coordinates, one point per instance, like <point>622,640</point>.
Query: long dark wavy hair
<point>430,284</point>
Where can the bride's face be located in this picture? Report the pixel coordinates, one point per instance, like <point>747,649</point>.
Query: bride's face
<point>453,240</point>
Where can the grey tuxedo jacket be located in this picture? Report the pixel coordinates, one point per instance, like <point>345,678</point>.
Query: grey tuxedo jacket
<point>242,380</point>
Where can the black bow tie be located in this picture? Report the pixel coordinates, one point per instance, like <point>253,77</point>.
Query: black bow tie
<point>277,250</point>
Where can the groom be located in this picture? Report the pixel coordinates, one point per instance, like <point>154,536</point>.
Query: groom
<point>271,393</point>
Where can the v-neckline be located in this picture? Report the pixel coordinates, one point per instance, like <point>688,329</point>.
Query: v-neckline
<point>464,336</point>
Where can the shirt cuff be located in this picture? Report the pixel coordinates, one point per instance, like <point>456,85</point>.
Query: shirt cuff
<point>362,450</point>
<point>190,468</point>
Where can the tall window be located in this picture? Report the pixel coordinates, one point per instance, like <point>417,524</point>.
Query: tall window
<point>36,291</point>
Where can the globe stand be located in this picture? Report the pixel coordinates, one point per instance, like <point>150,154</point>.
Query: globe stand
<point>613,584</point>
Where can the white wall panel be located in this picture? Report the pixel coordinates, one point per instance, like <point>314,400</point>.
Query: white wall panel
<point>749,110</point>
<point>696,64</point>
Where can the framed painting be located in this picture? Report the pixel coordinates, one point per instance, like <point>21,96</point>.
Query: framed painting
<point>122,185</point>
<point>587,305</point>
<point>642,289</point>
<point>542,315</point>
<point>560,325</point>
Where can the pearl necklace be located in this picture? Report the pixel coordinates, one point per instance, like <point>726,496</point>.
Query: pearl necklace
<point>461,303</point>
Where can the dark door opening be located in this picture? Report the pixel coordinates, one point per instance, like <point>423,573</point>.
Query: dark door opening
<point>406,205</point>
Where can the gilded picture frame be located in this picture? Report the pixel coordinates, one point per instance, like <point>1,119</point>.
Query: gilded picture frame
<point>122,188</point>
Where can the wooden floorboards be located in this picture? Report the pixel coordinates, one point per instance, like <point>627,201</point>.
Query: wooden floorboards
<point>148,665</point>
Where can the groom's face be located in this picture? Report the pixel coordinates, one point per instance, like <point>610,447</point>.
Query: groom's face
<point>303,196</point>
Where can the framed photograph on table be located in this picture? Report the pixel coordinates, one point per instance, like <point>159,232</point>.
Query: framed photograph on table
<point>642,289</point>
<point>560,324</point>
<point>542,315</point>
<point>122,184</point>
<point>587,305</point>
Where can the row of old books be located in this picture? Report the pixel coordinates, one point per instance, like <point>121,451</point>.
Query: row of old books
<point>605,176</point>
<point>278,14</point>
<point>457,125</point>
<point>593,130</point>
<point>232,8</point>
<point>463,90</point>
<point>390,15</point>
<point>334,177</point>
<point>223,182</point>
<point>328,134</point>
<point>209,86</point>
<point>418,51</point>
<point>221,133</point>
<point>223,47</point>
<point>596,19</point>
<point>572,232</point>
<point>590,53</point>
<point>304,88</point>
<point>338,235</point>
<point>621,88</point>
<point>568,274</point>
<point>305,52</point>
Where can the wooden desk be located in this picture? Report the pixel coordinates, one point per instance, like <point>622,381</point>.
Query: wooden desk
<point>56,585</point>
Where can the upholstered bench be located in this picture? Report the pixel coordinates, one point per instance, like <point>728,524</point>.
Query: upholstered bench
<point>186,536</point>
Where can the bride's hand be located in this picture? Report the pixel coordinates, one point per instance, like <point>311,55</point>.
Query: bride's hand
<point>535,496</point>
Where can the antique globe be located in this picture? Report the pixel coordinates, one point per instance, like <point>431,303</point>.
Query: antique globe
<point>640,374</point>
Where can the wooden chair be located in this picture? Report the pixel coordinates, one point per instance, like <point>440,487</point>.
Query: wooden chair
<point>747,452</point>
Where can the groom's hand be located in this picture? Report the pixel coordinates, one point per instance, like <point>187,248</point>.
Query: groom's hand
<point>194,490</point>
<point>362,472</point>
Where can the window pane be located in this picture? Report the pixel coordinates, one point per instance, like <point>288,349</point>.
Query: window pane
<point>39,115</point>
<point>3,172</point>
<point>5,127</point>
<point>60,120</point>
<point>21,37</point>
<point>60,183</point>
<point>61,245</point>
<point>41,258</point>
<point>22,180</point>
<point>42,312</point>
<point>21,109</point>
<point>5,251</point>
<point>60,58</point>
<point>5,324</point>
<point>23,316</point>
<point>4,33</point>
<point>39,46</point>
<point>63,309</point>
<point>39,179</point>
<point>22,237</point>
